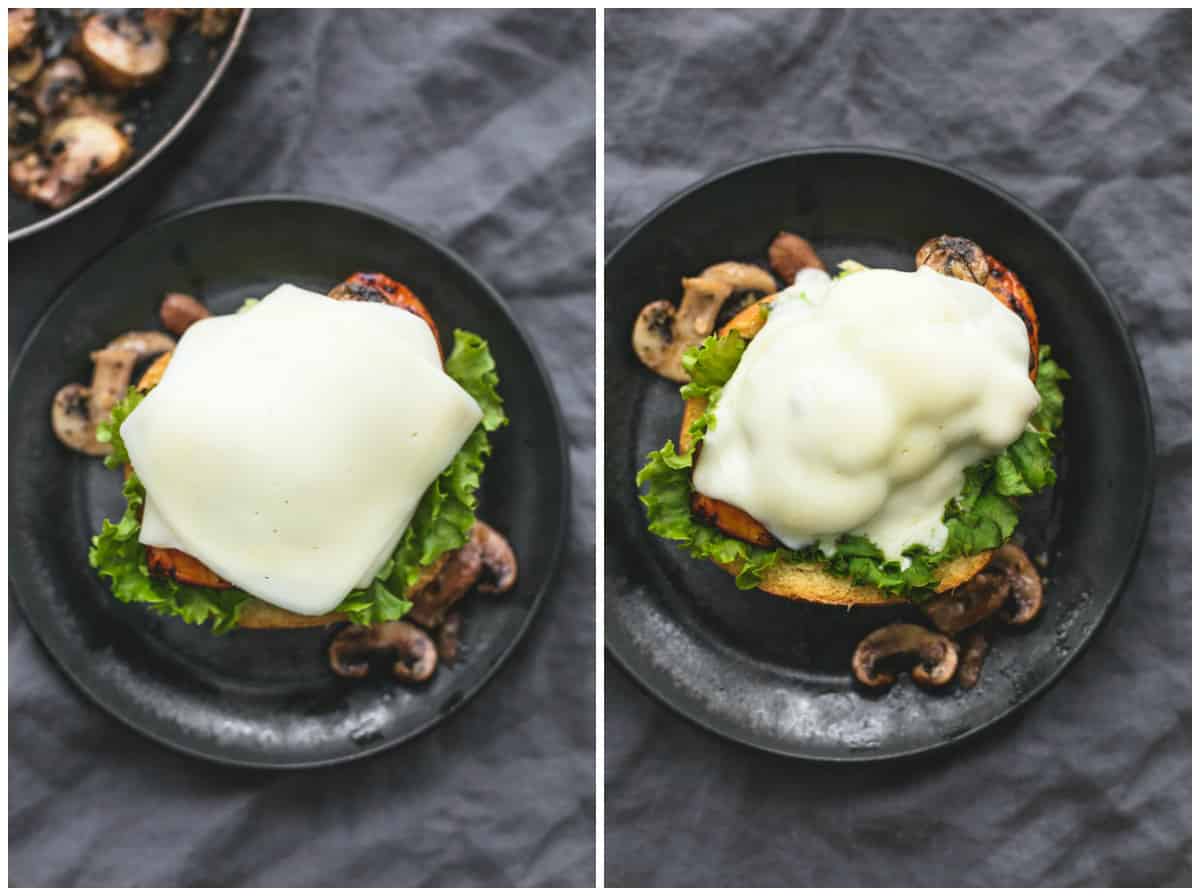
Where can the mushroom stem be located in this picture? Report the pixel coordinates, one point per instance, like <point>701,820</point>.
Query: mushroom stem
<point>111,377</point>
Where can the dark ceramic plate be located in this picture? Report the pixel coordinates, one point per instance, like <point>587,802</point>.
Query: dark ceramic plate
<point>253,697</point>
<point>773,673</point>
<point>159,112</point>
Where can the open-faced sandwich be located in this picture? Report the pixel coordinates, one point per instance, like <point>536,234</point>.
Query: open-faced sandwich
<point>308,460</point>
<point>857,439</point>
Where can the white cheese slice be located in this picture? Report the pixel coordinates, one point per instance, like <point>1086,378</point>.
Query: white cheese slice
<point>287,447</point>
<point>859,404</point>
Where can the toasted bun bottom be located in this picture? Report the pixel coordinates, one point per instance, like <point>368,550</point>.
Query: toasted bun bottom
<point>807,581</point>
<point>256,613</point>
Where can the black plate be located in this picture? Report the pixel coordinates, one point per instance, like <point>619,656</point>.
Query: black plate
<point>773,673</point>
<point>160,113</point>
<point>253,697</point>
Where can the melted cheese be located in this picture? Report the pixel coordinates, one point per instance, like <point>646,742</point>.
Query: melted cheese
<point>287,447</point>
<point>861,401</point>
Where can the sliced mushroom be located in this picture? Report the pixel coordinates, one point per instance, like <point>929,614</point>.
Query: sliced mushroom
<point>790,254</point>
<point>1025,595</point>
<point>26,171</point>
<point>113,374</point>
<point>82,149</point>
<point>24,125</point>
<point>179,311</point>
<point>970,665</point>
<point>214,23</point>
<point>122,52</point>
<point>936,655</point>
<point>970,603</point>
<point>662,332</point>
<point>456,577</point>
<point>409,650</point>
<point>486,562</point>
<point>104,106</point>
<point>21,25</point>
<point>163,22</point>
<point>77,409</point>
<point>448,643</point>
<point>71,419</point>
<point>145,344</point>
<point>60,82</point>
<point>24,64</point>
<point>499,562</point>
<point>954,256</point>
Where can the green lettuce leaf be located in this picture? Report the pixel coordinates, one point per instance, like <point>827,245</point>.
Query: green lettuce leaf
<point>442,521</point>
<point>983,515</point>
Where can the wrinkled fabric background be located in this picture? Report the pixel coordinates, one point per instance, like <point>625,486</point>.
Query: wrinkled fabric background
<point>1086,117</point>
<point>479,127</point>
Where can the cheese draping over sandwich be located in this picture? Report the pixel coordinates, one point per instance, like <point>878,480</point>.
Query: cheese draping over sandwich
<point>860,403</point>
<point>287,447</point>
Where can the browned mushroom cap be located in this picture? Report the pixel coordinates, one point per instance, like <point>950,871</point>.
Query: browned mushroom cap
<point>406,647</point>
<point>179,311</point>
<point>790,254</point>
<point>60,82</point>
<point>78,409</point>
<point>123,53</point>
<point>24,126</point>
<point>82,149</point>
<point>662,333</point>
<point>21,25</point>
<point>970,666</point>
<point>959,609</point>
<point>499,562</point>
<point>1025,585</point>
<point>936,655</point>
<point>955,257</point>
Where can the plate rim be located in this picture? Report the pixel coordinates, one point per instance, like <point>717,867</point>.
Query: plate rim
<point>154,151</point>
<point>1116,591</point>
<point>554,565</point>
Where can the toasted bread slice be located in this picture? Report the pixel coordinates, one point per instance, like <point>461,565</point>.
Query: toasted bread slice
<point>807,581</point>
<point>798,581</point>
